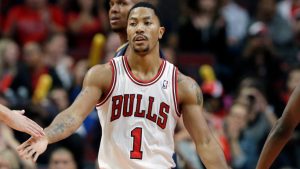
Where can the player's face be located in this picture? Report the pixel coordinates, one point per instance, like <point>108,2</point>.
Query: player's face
<point>62,161</point>
<point>118,13</point>
<point>143,30</point>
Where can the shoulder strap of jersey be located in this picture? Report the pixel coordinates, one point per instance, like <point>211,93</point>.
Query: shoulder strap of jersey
<point>121,50</point>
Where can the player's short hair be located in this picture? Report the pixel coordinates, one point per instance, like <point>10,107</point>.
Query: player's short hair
<point>147,5</point>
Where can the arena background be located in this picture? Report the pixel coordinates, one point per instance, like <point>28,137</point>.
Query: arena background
<point>243,53</point>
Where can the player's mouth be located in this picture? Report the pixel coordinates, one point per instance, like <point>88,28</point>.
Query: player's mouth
<point>114,19</point>
<point>140,38</point>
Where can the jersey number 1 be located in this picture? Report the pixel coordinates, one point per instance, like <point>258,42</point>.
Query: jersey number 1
<point>136,153</point>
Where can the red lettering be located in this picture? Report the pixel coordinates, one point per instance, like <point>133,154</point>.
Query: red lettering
<point>149,113</point>
<point>117,102</point>
<point>125,104</point>
<point>126,112</point>
<point>163,112</point>
<point>138,112</point>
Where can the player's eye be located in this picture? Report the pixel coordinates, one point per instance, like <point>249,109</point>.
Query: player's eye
<point>148,23</point>
<point>122,3</point>
<point>132,24</point>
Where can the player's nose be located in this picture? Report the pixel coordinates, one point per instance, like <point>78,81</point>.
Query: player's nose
<point>114,8</point>
<point>139,28</point>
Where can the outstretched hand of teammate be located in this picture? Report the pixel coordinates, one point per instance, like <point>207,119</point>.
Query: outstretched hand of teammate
<point>32,148</point>
<point>21,123</point>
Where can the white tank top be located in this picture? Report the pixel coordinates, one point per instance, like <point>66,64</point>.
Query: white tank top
<point>138,119</point>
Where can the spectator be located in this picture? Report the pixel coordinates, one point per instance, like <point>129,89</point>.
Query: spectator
<point>260,59</point>
<point>57,58</point>
<point>8,160</point>
<point>237,22</point>
<point>35,70</point>
<point>279,28</point>
<point>62,158</point>
<point>33,21</point>
<point>79,70</point>
<point>234,125</point>
<point>261,118</point>
<point>83,24</point>
<point>8,150</point>
<point>9,66</point>
<point>292,53</point>
<point>206,26</point>
<point>287,9</point>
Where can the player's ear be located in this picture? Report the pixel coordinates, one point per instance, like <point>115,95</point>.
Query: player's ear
<point>161,32</point>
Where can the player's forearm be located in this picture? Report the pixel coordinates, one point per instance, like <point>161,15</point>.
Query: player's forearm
<point>211,154</point>
<point>276,140</point>
<point>4,113</point>
<point>63,126</point>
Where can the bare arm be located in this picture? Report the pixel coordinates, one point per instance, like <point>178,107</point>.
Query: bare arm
<point>4,113</point>
<point>16,120</point>
<point>281,132</point>
<point>191,101</point>
<point>95,82</point>
<point>66,122</point>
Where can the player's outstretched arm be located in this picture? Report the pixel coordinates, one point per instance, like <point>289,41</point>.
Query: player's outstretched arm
<point>16,120</point>
<point>281,132</point>
<point>65,123</point>
<point>191,101</point>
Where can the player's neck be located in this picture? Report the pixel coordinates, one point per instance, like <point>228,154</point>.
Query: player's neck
<point>146,63</point>
<point>123,37</point>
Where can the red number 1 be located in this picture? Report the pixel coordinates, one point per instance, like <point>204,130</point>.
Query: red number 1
<point>136,153</point>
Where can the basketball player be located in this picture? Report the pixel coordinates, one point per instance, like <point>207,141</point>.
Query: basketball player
<point>139,99</point>
<point>281,132</point>
<point>17,121</point>
<point>118,12</point>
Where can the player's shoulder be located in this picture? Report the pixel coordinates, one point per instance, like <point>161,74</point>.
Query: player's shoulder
<point>100,69</point>
<point>187,87</point>
<point>99,75</point>
<point>184,80</point>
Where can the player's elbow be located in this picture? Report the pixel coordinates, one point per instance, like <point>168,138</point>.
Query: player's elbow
<point>203,143</point>
<point>282,130</point>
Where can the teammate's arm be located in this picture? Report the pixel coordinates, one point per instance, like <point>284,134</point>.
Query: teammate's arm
<point>281,132</point>
<point>16,120</point>
<point>65,123</point>
<point>191,102</point>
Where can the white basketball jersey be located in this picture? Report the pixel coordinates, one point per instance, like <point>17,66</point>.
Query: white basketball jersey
<point>138,119</point>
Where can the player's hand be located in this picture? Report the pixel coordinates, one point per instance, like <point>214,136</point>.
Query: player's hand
<point>32,148</point>
<point>21,123</point>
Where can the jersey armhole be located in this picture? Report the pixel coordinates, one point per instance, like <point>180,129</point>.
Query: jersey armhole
<point>175,90</point>
<point>111,86</point>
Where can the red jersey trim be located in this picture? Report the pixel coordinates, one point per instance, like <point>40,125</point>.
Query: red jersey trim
<point>175,89</point>
<point>141,82</point>
<point>112,84</point>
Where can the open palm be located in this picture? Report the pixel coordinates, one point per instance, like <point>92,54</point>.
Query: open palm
<point>33,147</point>
<point>20,122</point>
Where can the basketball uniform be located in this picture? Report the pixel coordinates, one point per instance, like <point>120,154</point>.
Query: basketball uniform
<point>138,119</point>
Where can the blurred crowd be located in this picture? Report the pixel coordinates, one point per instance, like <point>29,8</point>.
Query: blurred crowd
<point>245,55</point>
